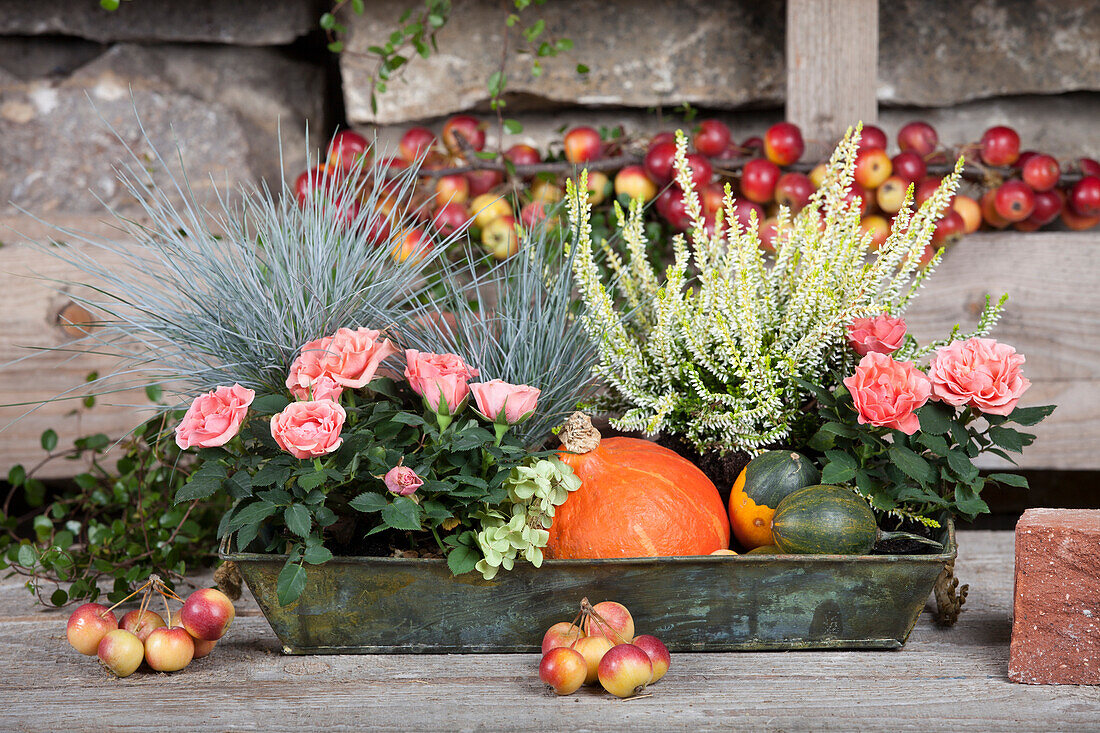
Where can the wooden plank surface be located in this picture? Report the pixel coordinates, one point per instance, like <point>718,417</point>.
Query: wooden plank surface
<point>1052,317</point>
<point>1052,279</point>
<point>954,679</point>
<point>832,68</point>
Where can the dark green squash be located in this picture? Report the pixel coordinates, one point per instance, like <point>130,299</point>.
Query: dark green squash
<point>829,520</point>
<point>765,550</point>
<point>761,486</point>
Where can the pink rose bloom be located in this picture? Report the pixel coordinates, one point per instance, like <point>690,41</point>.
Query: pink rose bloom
<point>353,357</point>
<point>980,373</point>
<point>887,393</point>
<point>309,429</point>
<point>502,402</point>
<point>402,480</point>
<point>349,358</point>
<point>322,388</point>
<point>214,418</point>
<point>882,334</point>
<point>439,377</point>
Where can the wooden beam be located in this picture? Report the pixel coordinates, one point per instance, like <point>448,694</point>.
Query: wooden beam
<point>832,65</point>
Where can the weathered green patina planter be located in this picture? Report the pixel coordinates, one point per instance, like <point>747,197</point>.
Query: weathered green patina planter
<point>365,605</point>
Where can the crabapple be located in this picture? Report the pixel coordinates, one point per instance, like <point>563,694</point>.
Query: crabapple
<point>1048,204</point>
<point>563,669</point>
<point>701,170</point>
<point>598,186</point>
<point>891,194</point>
<point>878,228</point>
<point>1084,197</point>
<point>522,155</point>
<point>169,649</point>
<point>872,137</point>
<point>617,623</point>
<point>949,229</point>
<point>207,613</point>
<point>415,142</point>
<point>793,190</point>
<point>712,138</point>
<point>657,651</point>
<point>1088,166</point>
<point>450,218</point>
<point>658,161</point>
<point>141,623</point>
<point>909,166</point>
<point>1000,146</point>
<point>468,128</point>
<point>1041,172</point>
<point>625,670</point>
<point>582,144</point>
<point>919,137</point>
<point>783,143</point>
<point>487,207</point>
<point>484,180</point>
<point>454,188</point>
<point>758,180</point>
<point>499,237</point>
<point>988,203</point>
<point>88,624</point>
<point>971,212</point>
<point>121,651</point>
<point>593,649</point>
<point>873,166</point>
<point>347,148</point>
<point>633,182</point>
<point>562,633</point>
<point>1015,201</point>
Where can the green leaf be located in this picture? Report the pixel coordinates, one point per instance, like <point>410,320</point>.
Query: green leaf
<point>934,443</point>
<point>968,503</point>
<point>254,513</point>
<point>836,428</point>
<point>110,5</point>
<point>269,404</point>
<point>960,463</point>
<point>1030,415</point>
<point>513,127</point>
<point>312,480</point>
<point>408,418</point>
<point>936,418</point>
<point>202,484</point>
<point>298,520</point>
<point>328,20</point>
<point>291,583</point>
<point>1010,439</point>
<point>582,69</point>
<point>842,458</point>
<point>43,527</point>
<point>369,501</point>
<point>462,559</point>
<point>246,534</point>
<point>912,464</point>
<point>59,597</point>
<point>239,485</point>
<point>402,513</point>
<point>272,474</point>
<point>317,554</point>
<point>27,556</point>
<point>17,475</point>
<point>49,440</point>
<point>835,473</point>
<point>154,392</point>
<point>335,46</point>
<point>1009,479</point>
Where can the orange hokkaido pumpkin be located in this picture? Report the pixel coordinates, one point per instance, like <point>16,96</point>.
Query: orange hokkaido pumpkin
<point>636,499</point>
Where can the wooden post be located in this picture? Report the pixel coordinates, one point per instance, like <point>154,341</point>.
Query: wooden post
<point>832,65</point>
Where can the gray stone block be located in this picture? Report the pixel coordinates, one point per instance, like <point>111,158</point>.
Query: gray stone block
<point>242,22</point>
<point>223,105</point>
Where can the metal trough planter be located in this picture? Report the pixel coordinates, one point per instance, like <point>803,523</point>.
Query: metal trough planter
<point>368,605</point>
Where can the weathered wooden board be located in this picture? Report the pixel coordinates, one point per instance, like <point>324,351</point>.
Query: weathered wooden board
<point>1053,280</point>
<point>33,306</point>
<point>953,679</point>
<point>832,65</point>
<point>1052,316</point>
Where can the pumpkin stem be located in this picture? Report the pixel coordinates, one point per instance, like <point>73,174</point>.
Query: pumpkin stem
<point>577,434</point>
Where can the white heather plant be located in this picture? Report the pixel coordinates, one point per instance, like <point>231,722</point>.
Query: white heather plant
<point>713,350</point>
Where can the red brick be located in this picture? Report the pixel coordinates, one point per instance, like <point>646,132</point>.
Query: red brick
<point>1056,613</point>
